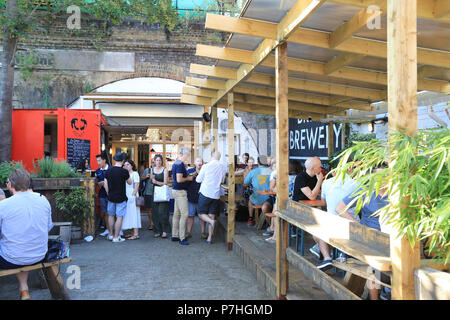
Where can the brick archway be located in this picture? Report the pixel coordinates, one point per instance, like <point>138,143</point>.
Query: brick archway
<point>144,70</point>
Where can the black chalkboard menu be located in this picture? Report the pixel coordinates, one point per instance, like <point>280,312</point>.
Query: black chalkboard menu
<point>77,150</point>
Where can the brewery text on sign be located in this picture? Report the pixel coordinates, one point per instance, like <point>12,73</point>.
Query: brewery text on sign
<point>310,139</point>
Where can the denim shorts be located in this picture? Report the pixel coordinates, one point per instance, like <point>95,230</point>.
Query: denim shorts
<point>207,205</point>
<point>193,209</point>
<point>103,204</point>
<point>117,209</point>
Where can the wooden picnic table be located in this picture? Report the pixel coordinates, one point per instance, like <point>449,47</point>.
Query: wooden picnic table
<point>266,192</point>
<point>314,203</point>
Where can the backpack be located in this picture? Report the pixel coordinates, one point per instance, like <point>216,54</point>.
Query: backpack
<point>57,250</point>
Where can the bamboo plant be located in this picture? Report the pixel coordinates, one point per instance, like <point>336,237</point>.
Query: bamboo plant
<point>417,183</point>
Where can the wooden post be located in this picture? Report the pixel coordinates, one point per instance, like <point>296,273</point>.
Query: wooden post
<point>215,132</point>
<point>196,139</point>
<point>402,93</point>
<point>231,171</point>
<point>282,125</point>
<point>205,134</point>
<point>89,223</point>
<point>56,283</point>
<point>330,140</point>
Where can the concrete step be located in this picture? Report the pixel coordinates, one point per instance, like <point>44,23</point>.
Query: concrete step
<point>258,256</point>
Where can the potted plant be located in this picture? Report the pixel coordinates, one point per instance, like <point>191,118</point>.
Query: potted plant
<point>5,170</point>
<point>418,176</point>
<point>74,207</point>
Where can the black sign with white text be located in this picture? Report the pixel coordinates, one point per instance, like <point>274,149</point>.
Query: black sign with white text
<point>310,139</point>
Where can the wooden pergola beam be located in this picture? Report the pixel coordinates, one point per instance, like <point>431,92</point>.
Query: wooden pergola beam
<point>298,106</point>
<point>251,94</point>
<point>352,26</point>
<point>254,91</point>
<point>341,61</point>
<point>426,9</point>
<point>206,83</point>
<point>200,92</point>
<point>296,16</point>
<point>429,71</point>
<point>321,39</point>
<point>441,8</point>
<point>247,107</point>
<point>299,65</point>
<point>298,84</point>
<point>213,71</point>
<point>188,98</point>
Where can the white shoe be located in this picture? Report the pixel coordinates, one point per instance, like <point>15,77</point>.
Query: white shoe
<point>110,237</point>
<point>119,239</point>
<point>104,233</point>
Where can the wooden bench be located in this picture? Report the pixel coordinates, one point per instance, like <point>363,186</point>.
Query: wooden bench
<point>368,246</point>
<point>259,220</point>
<point>52,276</point>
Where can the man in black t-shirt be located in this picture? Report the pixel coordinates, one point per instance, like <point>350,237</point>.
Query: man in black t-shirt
<point>115,179</point>
<point>308,183</point>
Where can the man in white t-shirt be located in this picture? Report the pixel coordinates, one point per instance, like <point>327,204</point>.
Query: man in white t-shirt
<point>211,176</point>
<point>25,220</point>
<point>333,191</point>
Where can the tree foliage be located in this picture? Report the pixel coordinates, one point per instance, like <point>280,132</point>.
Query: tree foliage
<point>34,15</point>
<point>417,182</point>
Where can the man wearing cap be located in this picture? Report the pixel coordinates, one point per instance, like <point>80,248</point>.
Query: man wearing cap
<point>181,181</point>
<point>115,179</point>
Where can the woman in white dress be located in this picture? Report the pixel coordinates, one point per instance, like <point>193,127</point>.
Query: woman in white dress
<point>132,219</point>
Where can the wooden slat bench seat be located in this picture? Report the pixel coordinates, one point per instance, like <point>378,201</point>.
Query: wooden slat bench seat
<point>368,245</point>
<point>360,269</point>
<point>52,275</point>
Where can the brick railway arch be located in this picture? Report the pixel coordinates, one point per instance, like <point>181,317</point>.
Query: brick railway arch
<point>165,71</point>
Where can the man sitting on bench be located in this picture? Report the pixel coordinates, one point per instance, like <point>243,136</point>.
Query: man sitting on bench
<point>25,220</point>
<point>367,218</point>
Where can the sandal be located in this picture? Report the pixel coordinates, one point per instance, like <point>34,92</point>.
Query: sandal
<point>133,238</point>
<point>127,236</point>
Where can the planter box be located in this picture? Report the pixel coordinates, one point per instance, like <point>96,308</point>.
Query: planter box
<point>56,183</point>
<point>49,186</point>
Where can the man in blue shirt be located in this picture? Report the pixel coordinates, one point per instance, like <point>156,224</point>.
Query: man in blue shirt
<point>367,217</point>
<point>181,181</point>
<point>259,179</point>
<point>25,220</point>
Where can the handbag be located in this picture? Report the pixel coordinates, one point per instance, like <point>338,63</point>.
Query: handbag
<point>140,201</point>
<point>161,194</point>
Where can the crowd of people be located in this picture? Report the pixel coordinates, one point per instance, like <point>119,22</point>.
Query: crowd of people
<point>195,191</point>
<point>309,182</point>
<point>25,218</point>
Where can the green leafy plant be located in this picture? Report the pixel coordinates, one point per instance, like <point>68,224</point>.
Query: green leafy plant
<point>349,142</point>
<point>6,168</point>
<point>73,205</point>
<point>48,168</point>
<point>417,183</point>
